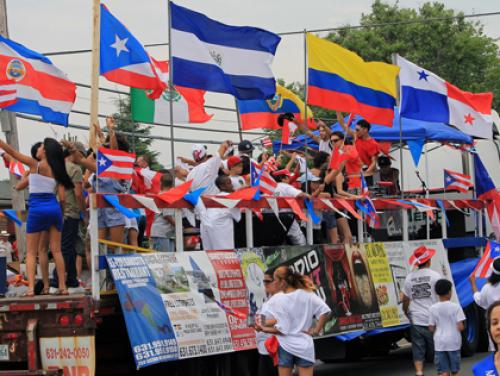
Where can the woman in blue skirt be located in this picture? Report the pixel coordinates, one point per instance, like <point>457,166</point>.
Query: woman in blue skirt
<point>47,176</point>
<point>490,366</point>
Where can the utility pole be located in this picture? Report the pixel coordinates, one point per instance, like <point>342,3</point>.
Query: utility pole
<point>9,127</point>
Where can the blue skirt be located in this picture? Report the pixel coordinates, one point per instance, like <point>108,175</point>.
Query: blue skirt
<point>43,213</point>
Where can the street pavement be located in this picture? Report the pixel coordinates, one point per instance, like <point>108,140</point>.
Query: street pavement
<point>396,363</point>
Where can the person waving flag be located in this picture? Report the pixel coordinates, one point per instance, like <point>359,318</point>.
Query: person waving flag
<point>211,56</point>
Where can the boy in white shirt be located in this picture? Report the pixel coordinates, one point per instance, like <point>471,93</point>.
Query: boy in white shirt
<point>446,321</point>
<point>163,227</point>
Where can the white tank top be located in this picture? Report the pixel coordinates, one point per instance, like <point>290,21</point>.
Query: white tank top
<point>325,146</point>
<point>41,184</point>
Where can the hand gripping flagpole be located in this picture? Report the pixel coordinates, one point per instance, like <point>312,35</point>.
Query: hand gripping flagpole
<point>171,86</point>
<point>309,224</point>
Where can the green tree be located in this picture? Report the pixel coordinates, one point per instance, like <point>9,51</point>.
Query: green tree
<point>453,47</point>
<point>138,144</point>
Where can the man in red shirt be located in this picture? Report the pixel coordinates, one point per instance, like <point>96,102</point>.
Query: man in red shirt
<point>368,149</point>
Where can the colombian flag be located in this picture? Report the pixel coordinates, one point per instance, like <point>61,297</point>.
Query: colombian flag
<point>340,80</point>
<point>264,113</point>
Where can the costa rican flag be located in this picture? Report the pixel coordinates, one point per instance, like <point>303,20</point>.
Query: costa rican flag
<point>115,164</point>
<point>262,178</point>
<point>41,88</point>
<point>484,266</point>
<point>16,168</point>
<point>8,93</point>
<point>125,61</point>
<point>457,181</point>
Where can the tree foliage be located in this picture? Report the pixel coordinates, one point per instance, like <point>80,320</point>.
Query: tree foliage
<point>138,144</point>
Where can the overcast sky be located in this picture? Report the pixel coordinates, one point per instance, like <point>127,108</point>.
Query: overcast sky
<point>57,25</point>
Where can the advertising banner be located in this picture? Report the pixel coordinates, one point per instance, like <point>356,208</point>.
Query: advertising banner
<point>74,355</point>
<point>398,264</point>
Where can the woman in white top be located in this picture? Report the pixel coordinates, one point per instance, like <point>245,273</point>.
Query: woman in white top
<point>47,175</point>
<point>291,319</point>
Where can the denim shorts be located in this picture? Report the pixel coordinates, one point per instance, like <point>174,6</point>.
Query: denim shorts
<point>330,220</point>
<point>162,244</point>
<point>110,217</point>
<point>447,361</point>
<point>421,343</point>
<point>285,359</point>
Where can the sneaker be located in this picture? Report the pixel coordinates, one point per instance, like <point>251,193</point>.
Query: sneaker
<point>76,290</point>
<point>53,291</point>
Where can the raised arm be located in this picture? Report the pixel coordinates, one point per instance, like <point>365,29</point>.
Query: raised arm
<point>349,131</point>
<point>110,124</point>
<point>23,158</point>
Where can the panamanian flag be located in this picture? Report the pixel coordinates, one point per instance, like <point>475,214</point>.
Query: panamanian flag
<point>426,96</point>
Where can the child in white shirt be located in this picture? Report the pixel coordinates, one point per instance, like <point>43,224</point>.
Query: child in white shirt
<point>446,321</point>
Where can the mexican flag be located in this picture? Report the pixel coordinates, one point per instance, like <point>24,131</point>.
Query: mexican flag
<point>188,105</point>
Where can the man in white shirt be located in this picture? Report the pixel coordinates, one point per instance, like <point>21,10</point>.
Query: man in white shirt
<point>235,167</point>
<point>217,227</point>
<point>284,189</point>
<point>207,169</point>
<point>418,297</point>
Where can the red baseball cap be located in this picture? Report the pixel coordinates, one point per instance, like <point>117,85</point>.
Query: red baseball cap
<point>282,172</point>
<point>421,255</point>
<point>233,161</point>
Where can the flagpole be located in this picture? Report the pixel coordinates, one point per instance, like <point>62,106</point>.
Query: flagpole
<point>240,132</point>
<point>94,86</point>
<point>309,224</point>
<point>170,86</point>
<point>427,221</point>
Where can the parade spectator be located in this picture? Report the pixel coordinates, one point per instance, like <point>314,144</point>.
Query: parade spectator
<point>291,314</point>
<point>235,167</point>
<point>163,228</point>
<point>446,321</point>
<point>47,175</point>
<point>490,293</point>
<point>266,366</point>
<point>387,173</point>
<point>74,206</point>
<point>490,366</point>
<point>245,150</point>
<point>217,227</point>
<point>207,169</point>
<point>284,189</point>
<point>323,139</point>
<point>418,296</point>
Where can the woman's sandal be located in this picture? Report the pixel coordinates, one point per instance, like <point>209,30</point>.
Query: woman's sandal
<point>28,294</point>
<point>63,292</point>
<point>45,291</point>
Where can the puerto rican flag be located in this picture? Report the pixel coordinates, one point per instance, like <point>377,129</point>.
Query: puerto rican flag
<point>457,181</point>
<point>367,207</point>
<point>40,87</point>
<point>483,267</point>
<point>262,178</point>
<point>8,93</point>
<point>115,164</point>
<point>266,142</point>
<point>125,61</point>
<point>16,168</point>
<point>426,96</point>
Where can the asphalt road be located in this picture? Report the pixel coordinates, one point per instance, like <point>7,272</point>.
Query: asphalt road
<point>396,363</point>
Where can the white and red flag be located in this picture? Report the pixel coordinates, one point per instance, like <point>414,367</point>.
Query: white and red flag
<point>115,164</point>
<point>16,168</point>
<point>483,267</point>
<point>8,93</point>
<point>457,181</point>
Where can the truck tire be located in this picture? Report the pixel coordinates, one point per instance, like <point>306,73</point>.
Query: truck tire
<point>470,336</point>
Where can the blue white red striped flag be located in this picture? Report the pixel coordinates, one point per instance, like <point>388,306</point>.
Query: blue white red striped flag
<point>124,59</point>
<point>115,164</point>
<point>483,267</point>
<point>212,56</point>
<point>41,88</point>
<point>8,93</point>
<point>457,181</point>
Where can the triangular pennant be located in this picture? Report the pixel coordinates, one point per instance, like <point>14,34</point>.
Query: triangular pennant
<point>452,203</point>
<point>396,202</point>
<point>443,210</point>
<point>147,202</point>
<point>273,204</point>
<point>243,194</point>
<point>226,202</point>
<point>328,203</point>
<point>316,220</point>
<point>113,200</point>
<point>416,147</point>
<point>193,197</point>
<point>292,202</point>
<point>348,207</point>
<point>12,215</point>
<point>175,194</point>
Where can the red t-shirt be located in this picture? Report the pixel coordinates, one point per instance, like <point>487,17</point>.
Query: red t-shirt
<point>353,162</point>
<point>367,149</point>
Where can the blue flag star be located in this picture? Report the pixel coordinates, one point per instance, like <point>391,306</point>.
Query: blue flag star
<point>422,75</point>
<point>103,163</point>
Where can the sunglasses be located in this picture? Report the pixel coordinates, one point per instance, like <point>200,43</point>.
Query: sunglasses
<point>268,281</point>
<point>335,140</point>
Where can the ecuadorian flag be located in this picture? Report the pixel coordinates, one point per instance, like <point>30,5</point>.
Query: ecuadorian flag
<point>341,80</point>
<point>264,113</point>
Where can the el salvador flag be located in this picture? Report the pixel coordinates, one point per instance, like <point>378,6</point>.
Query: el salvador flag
<point>212,56</point>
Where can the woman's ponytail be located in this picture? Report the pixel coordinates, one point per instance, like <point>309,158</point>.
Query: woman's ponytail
<point>295,279</point>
